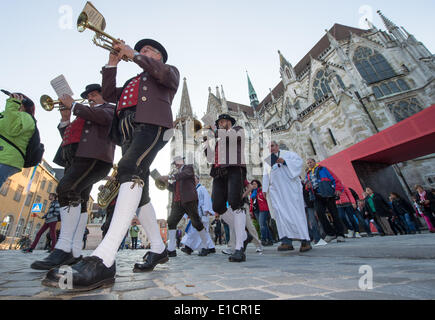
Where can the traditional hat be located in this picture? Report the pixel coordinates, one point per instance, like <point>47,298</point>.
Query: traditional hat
<point>226,117</point>
<point>153,43</point>
<point>89,89</point>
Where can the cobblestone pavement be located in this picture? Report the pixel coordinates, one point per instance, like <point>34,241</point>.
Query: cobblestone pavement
<point>403,268</point>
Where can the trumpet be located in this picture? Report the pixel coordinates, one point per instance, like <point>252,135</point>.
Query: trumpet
<point>101,38</point>
<point>48,104</point>
<point>161,185</point>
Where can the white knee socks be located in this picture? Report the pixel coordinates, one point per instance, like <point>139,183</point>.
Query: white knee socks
<point>147,218</point>
<point>70,217</point>
<point>125,209</point>
<point>172,241</point>
<point>239,228</point>
<point>77,244</point>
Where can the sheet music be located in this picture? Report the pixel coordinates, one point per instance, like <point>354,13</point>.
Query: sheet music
<point>155,174</point>
<point>95,17</point>
<point>208,120</point>
<point>61,86</point>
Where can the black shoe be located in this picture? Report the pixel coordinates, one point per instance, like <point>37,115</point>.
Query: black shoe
<point>246,242</point>
<point>172,254</point>
<point>89,274</point>
<point>204,252</point>
<point>212,250</point>
<point>187,250</point>
<point>55,259</point>
<point>28,250</point>
<point>151,260</point>
<point>237,256</point>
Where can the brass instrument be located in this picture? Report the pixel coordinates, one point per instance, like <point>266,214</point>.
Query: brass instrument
<point>101,38</point>
<point>48,104</point>
<point>109,191</point>
<point>161,185</point>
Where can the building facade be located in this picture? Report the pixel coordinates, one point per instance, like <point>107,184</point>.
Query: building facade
<point>353,84</point>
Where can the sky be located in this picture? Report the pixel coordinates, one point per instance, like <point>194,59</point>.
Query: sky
<point>212,43</point>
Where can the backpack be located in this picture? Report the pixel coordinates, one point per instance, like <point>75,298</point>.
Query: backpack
<point>34,150</point>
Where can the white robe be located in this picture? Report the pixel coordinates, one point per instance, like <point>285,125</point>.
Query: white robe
<point>285,196</point>
<point>192,238</point>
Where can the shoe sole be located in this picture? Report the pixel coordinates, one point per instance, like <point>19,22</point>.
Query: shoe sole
<point>161,261</point>
<point>101,284</point>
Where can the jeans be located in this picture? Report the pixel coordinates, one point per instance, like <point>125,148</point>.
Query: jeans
<point>313,227</point>
<point>407,222</point>
<point>6,171</point>
<point>359,217</point>
<point>346,214</point>
<point>262,218</point>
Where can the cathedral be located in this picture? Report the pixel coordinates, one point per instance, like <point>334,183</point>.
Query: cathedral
<point>351,85</point>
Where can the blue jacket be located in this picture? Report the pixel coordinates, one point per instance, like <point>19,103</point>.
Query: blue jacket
<point>327,182</point>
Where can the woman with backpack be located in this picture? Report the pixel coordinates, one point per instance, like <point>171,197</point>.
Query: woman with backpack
<point>17,126</point>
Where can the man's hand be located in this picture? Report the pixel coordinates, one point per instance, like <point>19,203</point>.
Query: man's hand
<point>67,101</point>
<point>113,60</point>
<point>280,161</point>
<point>164,179</point>
<point>124,50</point>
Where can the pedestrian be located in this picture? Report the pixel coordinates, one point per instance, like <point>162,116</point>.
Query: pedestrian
<point>85,238</point>
<point>345,206</point>
<point>134,232</point>
<point>365,217</point>
<point>179,235</point>
<point>17,126</point>
<point>427,201</point>
<point>313,225</point>
<point>402,209</point>
<point>217,229</point>
<point>378,207</point>
<point>282,184</point>
<point>51,219</point>
<point>420,213</point>
<point>260,209</point>
<point>325,188</point>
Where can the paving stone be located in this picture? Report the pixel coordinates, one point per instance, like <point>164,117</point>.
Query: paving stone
<point>97,297</point>
<point>147,294</point>
<point>295,290</point>
<point>365,295</point>
<point>22,284</point>
<point>421,290</point>
<point>245,294</point>
<point>21,292</point>
<point>21,277</point>
<point>185,288</point>
<point>133,285</point>
<point>184,298</point>
<point>240,283</point>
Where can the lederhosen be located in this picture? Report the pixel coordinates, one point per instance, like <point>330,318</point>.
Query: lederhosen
<point>228,182</point>
<point>80,173</point>
<point>140,142</point>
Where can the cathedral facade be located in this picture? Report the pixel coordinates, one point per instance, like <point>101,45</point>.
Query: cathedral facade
<point>353,84</point>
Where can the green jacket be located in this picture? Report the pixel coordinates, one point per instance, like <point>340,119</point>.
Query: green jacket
<point>134,230</point>
<point>17,127</point>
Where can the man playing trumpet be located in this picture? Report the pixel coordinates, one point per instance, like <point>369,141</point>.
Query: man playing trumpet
<point>142,117</point>
<point>87,155</point>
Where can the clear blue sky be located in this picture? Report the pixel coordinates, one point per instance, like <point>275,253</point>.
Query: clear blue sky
<point>212,43</point>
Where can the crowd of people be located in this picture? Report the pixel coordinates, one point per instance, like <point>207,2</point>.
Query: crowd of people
<point>315,209</point>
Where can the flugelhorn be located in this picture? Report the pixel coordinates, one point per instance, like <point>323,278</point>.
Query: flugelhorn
<point>48,104</point>
<point>101,38</point>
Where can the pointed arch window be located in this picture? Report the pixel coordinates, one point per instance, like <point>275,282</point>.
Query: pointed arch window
<point>312,147</point>
<point>372,65</point>
<point>404,108</point>
<point>321,86</point>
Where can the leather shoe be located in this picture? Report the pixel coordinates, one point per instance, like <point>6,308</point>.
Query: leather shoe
<point>204,252</point>
<point>285,247</point>
<point>247,241</point>
<point>306,246</point>
<point>55,259</point>
<point>89,274</point>
<point>187,250</point>
<point>151,260</point>
<point>212,250</point>
<point>237,256</point>
<point>172,254</point>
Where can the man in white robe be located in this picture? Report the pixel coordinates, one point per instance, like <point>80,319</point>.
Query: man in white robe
<point>283,189</point>
<point>191,239</point>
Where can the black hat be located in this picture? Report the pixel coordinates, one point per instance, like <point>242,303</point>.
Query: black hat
<point>226,117</point>
<point>89,89</point>
<point>153,43</point>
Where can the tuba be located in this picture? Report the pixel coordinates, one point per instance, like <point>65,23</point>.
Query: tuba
<point>109,191</point>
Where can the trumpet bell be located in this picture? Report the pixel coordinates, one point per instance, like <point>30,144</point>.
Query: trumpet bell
<point>47,103</point>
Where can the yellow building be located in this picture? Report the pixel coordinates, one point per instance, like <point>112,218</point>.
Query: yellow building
<point>16,203</point>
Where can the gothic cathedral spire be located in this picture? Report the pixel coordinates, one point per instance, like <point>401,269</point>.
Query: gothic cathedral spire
<point>252,94</point>
<point>185,106</point>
